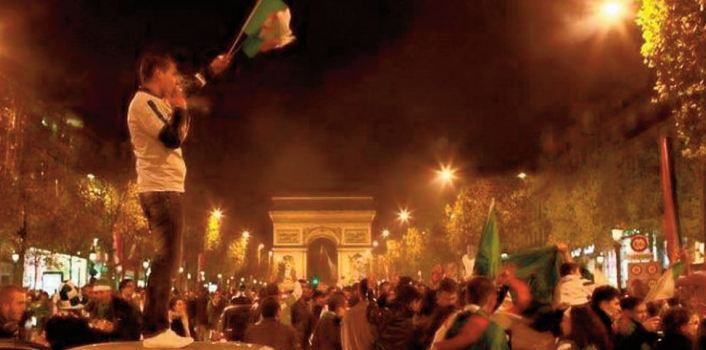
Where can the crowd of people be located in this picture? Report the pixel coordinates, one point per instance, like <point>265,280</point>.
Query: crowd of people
<point>403,314</point>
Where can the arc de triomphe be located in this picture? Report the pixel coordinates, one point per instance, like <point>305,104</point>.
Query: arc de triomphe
<point>324,237</point>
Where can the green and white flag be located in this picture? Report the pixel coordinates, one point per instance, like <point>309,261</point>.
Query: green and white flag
<point>268,27</point>
<point>666,285</point>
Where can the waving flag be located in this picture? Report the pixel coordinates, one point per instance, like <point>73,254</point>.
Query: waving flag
<point>666,285</point>
<point>267,28</point>
<point>539,268</point>
<point>488,257</point>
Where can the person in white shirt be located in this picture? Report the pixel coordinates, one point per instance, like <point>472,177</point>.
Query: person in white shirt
<point>158,122</point>
<point>572,289</point>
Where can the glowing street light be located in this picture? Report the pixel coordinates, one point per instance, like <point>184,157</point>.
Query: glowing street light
<point>612,10</point>
<point>611,13</point>
<point>375,244</point>
<point>217,214</point>
<point>446,175</point>
<point>146,264</point>
<point>385,233</point>
<point>246,234</point>
<point>15,257</point>
<point>521,176</point>
<point>404,216</point>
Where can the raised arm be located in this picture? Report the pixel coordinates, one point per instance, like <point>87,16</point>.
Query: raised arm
<point>216,68</point>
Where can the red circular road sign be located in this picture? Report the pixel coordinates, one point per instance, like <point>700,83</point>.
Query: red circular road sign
<point>653,269</point>
<point>639,243</point>
<point>636,269</point>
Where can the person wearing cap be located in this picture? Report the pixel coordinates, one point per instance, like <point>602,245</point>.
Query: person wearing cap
<point>70,327</point>
<point>69,300</point>
<point>115,318</point>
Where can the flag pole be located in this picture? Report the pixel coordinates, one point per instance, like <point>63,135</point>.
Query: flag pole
<point>671,223</point>
<point>234,45</point>
<point>490,209</point>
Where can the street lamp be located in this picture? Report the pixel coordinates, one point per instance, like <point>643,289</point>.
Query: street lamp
<point>446,175</point>
<point>522,176</point>
<point>217,214</point>
<point>246,234</point>
<point>404,215</point>
<point>15,257</point>
<point>612,10</point>
<point>146,264</point>
<point>181,269</point>
<point>375,244</point>
<point>385,233</point>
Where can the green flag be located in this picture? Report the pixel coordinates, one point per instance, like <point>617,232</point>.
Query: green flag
<point>268,27</point>
<point>488,256</point>
<point>539,268</point>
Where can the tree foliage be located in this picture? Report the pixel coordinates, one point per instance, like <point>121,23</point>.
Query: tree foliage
<point>675,45</point>
<point>466,216</point>
<point>410,253</point>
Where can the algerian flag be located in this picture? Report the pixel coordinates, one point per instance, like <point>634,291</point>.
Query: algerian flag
<point>268,27</point>
<point>539,268</point>
<point>488,256</point>
<point>666,285</point>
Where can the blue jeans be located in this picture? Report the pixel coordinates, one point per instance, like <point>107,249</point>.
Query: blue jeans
<point>165,214</point>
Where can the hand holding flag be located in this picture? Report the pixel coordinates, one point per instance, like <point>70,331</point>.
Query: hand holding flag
<point>219,64</point>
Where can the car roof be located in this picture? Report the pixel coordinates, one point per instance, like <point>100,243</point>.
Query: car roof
<point>7,344</point>
<point>192,346</point>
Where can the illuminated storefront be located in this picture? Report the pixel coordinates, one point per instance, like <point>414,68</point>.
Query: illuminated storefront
<point>46,270</point>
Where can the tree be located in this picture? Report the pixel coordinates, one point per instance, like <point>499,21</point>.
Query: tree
<point>406,254</point>
<point>466,216</point>
<point>114,214</point>
<point>237,251</point>
<point>675,45</point>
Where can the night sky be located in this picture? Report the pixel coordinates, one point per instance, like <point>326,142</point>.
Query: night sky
<point>369,100</point>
